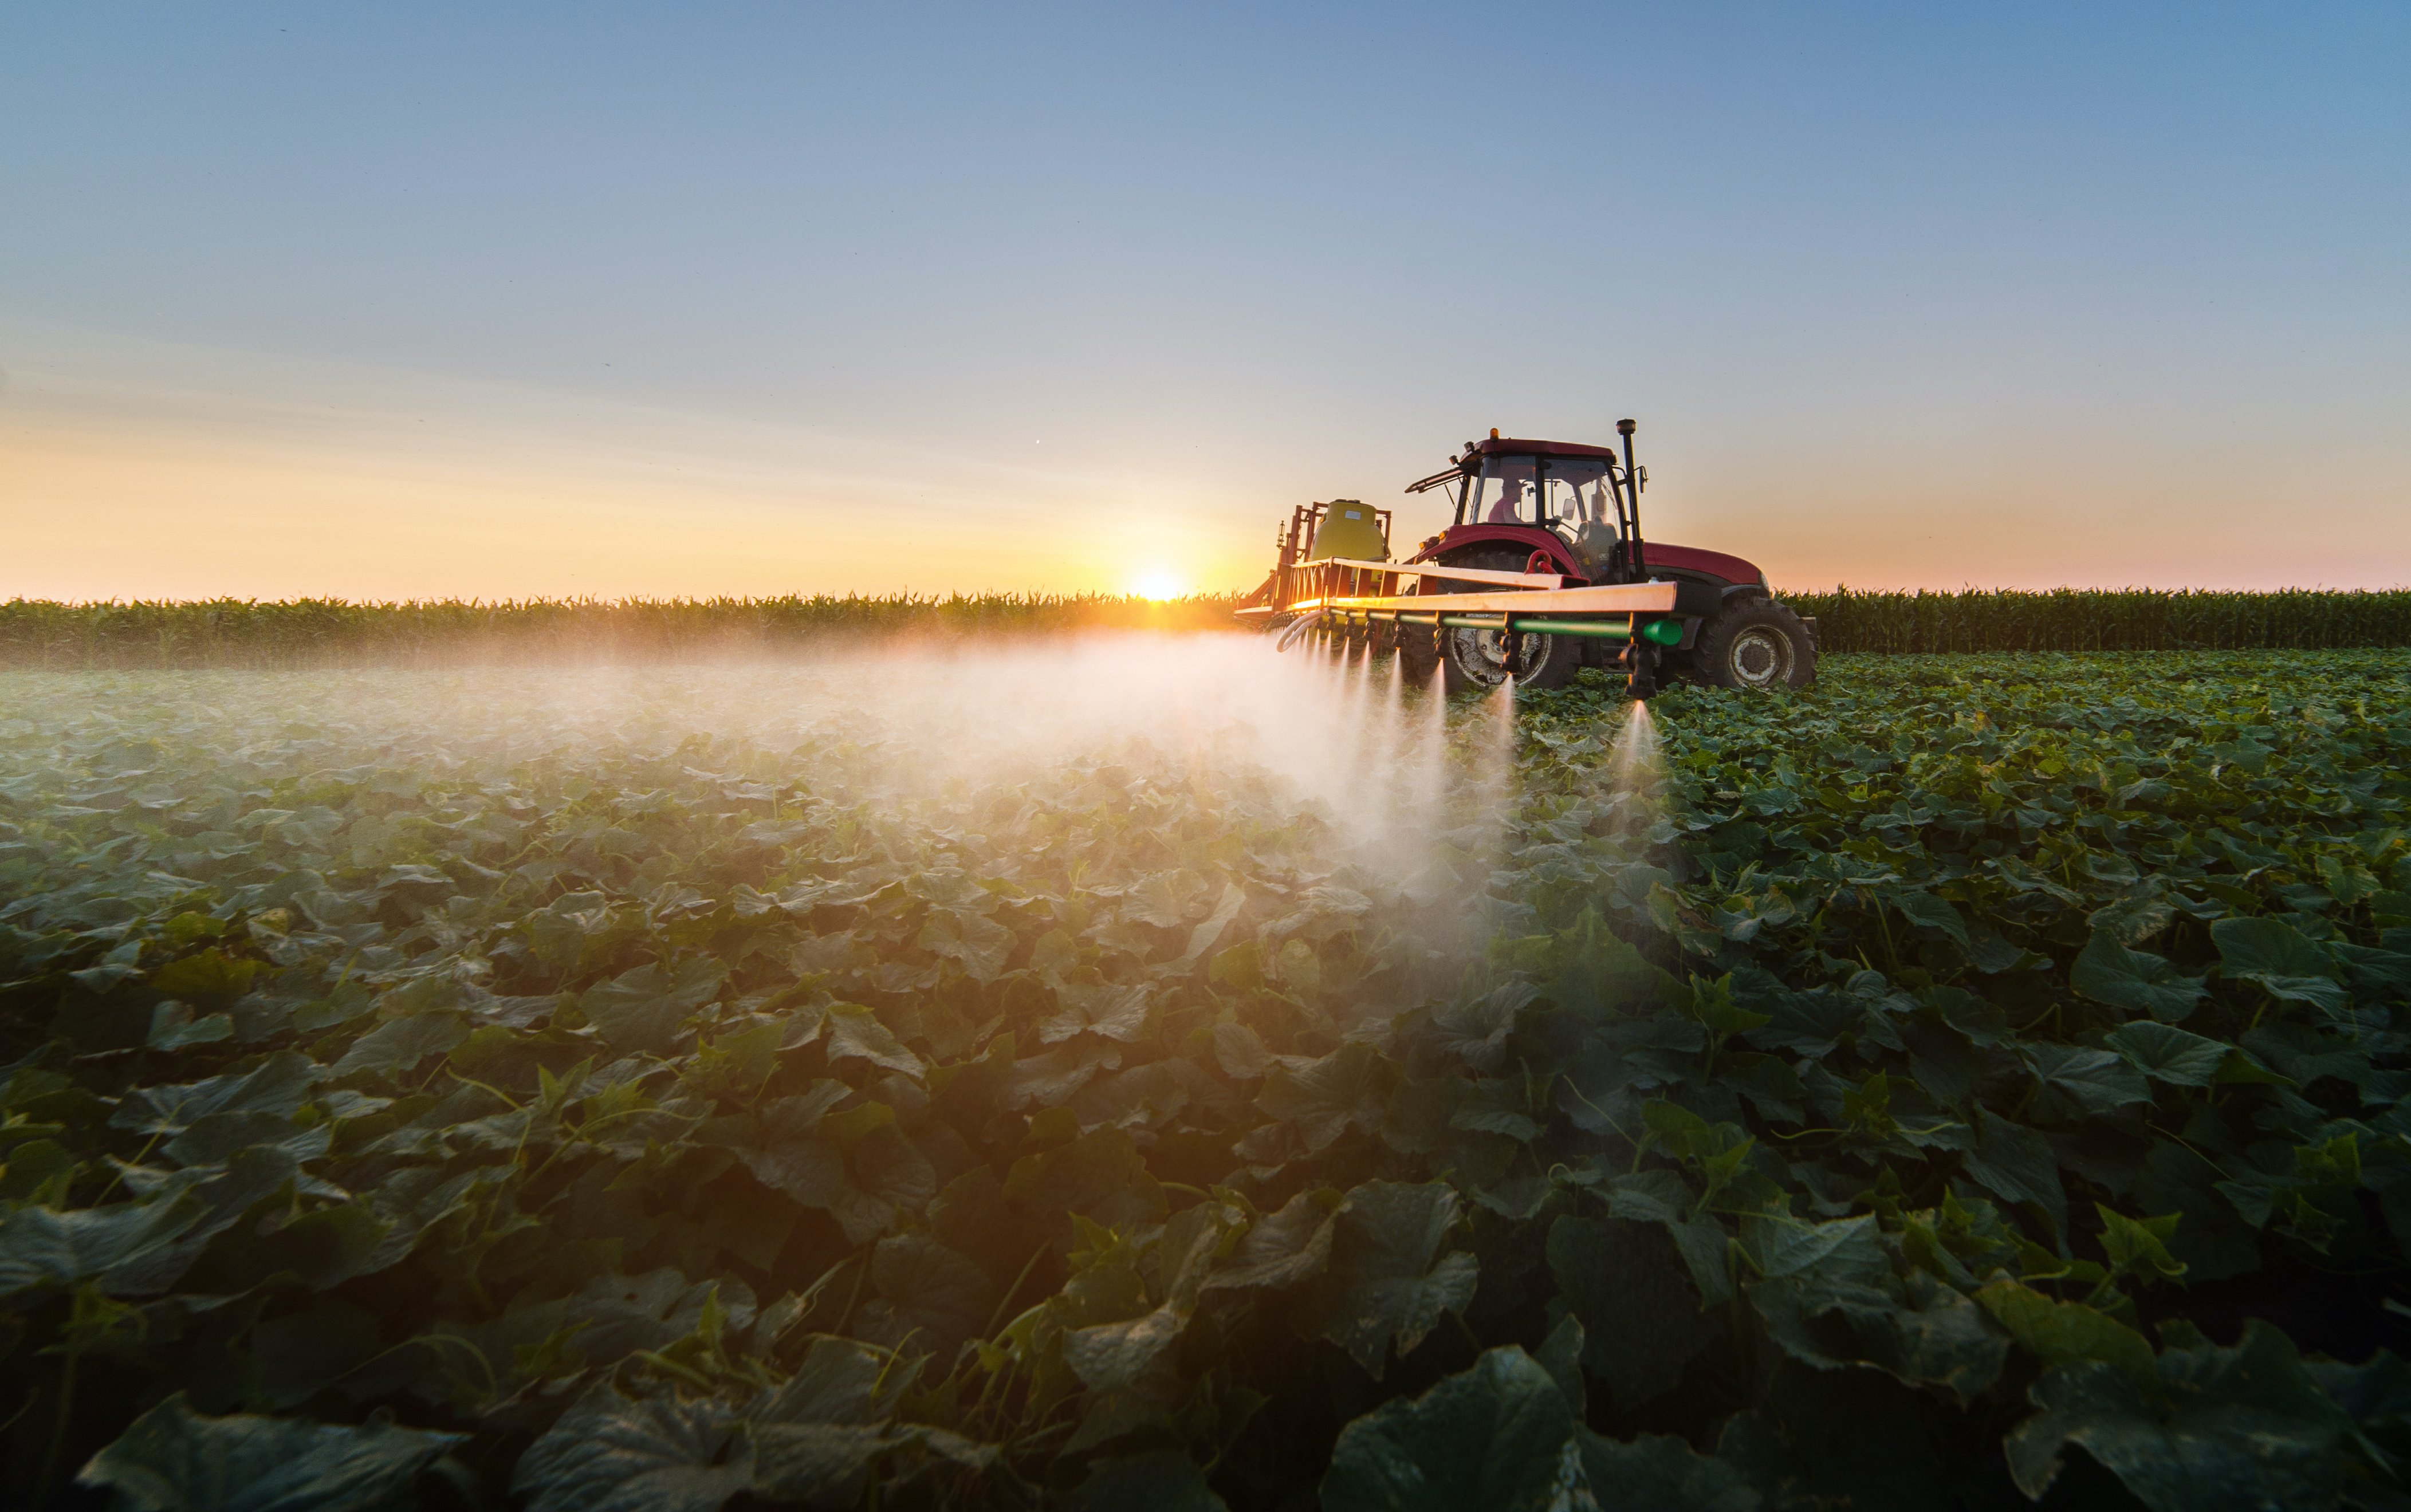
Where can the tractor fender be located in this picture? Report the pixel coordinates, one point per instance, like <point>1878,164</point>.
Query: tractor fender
<point>1698,602</point>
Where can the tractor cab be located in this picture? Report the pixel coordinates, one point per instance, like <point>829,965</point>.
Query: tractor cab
<point>1576,505</point>
<point>1571,497</point>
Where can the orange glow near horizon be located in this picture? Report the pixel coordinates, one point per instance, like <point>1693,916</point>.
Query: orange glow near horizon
<point>210,474</point>
<point>101,507</point>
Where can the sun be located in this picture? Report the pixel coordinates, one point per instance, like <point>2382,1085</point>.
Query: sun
<point>1156,584</point>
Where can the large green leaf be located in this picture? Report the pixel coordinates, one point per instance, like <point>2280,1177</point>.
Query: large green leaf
<point>854,1033</point>
<point>840,1381</point>
<point>978,944</point>
<point>822,1466</point>
<point>1656,1473</point>
<point>609,1453</point>
<point>41,1245</point>
<point>1099,1175</point>
<point>1114,1357</point>
<point>1662,1196</point>
<point>2060,1332</point>
<point>2236,1430</point>
<point>2080,1082</point>
<point>1640,1319</point>
<point>643,1008</point>
<point>885,1177</point>
<point>1477,1031</point>
<point>2280,958</point>
<point>1387,1281</point>
<point>400,1045</point>
<point>278,1085</point>
<point>776,1143</point>
<point>1497,1436</point>
<point>930,1298</point>
<point>172,1459</point>
<point>1917,1329</point>
<point>611,1316</point>
<point>2165,1053</point>
<point>1351,1087</point>
<point>2107,971</point>
<point>1282,1248</point>
<point>2017,1165</point>
<point>137,1249</point>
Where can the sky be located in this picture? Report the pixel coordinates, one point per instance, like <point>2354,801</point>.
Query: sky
<point>437,301</point>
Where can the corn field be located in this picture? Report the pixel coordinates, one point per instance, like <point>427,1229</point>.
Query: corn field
<point>311,633</point>
<point>2121,620</point>
<point>307,633</point>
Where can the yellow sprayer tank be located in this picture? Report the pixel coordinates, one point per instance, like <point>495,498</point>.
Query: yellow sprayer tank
<point>1349,530</point>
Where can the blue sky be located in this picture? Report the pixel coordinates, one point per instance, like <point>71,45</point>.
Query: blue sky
<point>417,299</point>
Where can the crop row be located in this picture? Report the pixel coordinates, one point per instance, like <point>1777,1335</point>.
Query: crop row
<point>309,632</point>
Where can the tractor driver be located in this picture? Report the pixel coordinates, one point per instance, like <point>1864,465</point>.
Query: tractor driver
<point>1510,506</point>
<point>1595,537</point>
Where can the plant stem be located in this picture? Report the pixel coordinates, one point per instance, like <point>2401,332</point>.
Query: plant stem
<point>58,1428</point>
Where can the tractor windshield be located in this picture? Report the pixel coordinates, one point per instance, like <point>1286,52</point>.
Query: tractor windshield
<point>1566,492</point>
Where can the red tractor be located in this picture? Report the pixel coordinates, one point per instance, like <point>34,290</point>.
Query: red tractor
<point>1562,520</point>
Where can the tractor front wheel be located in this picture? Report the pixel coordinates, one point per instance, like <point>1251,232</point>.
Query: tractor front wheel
<point>1755,643</point>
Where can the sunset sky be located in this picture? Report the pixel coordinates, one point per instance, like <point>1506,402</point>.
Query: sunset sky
<point>473,300</point>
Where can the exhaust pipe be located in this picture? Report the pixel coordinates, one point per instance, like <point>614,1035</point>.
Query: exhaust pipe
<point>1633,487</point>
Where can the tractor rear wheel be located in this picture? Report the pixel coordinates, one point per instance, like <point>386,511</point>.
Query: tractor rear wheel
<point>1474,660</point>
<point>1477,660</point>
<point>1755,643</point>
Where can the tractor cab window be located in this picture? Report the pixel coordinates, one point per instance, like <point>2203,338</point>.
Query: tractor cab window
<point>1568,493</point>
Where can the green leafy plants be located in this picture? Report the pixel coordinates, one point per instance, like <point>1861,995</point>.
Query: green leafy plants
<point>1972,1081</point>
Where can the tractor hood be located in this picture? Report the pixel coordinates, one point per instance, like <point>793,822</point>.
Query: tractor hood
<point>1695,560</point>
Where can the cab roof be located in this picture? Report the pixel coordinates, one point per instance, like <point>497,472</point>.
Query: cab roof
<point>1496,446</point>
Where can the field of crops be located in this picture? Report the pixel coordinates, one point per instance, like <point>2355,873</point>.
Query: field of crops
<point>1107,1075</point>
<point>324,633</point>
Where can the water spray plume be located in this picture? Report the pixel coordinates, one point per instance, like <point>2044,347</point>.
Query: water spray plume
<point>1499,774</point>
<point>1433,766</point>
<point>1635,769</point>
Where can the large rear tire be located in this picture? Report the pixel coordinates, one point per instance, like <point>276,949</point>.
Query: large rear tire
<point>1475,661</point>
<point>1755,643</point>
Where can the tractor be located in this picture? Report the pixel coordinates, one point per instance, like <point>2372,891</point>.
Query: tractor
<point>1556,521</point>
